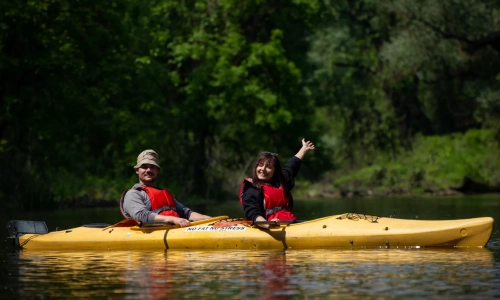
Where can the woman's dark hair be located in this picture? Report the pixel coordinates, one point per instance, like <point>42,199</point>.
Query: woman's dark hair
<point>277,178</point>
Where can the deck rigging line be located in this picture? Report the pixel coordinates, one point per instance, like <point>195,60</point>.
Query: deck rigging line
<point>357,217</point>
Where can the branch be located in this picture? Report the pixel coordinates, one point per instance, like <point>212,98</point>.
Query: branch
<point>491,40</point>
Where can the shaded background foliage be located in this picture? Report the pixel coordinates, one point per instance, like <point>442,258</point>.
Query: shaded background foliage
<point>399,96</point>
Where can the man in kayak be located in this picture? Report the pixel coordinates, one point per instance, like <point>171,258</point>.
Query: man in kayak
<point>146,203</point>
<point>266,196</point>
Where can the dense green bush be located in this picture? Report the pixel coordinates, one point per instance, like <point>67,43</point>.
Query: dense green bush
<point>433,164</point>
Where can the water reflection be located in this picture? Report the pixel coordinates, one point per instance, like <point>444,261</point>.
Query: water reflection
<point>255,274</point>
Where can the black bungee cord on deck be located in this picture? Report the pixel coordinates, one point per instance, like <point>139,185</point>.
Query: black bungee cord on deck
<point>356,217</point>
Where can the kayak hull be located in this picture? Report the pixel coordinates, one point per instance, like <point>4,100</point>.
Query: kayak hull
<point>346,230</point>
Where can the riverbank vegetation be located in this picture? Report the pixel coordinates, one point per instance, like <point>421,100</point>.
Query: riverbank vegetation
<point>399,96</point>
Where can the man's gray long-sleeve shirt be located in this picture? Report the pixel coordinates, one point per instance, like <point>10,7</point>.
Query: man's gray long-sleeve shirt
<point>137,206</point>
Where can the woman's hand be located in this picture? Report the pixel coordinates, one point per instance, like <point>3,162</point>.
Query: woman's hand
<point>267,226</point>
<point>307,145</point>
<point>277,222</point>
<point>261,219</point>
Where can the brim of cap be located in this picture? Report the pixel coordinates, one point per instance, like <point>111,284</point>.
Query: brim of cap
<point>147,161</point>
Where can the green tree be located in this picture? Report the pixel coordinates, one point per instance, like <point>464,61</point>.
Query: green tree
<point>61,62</point>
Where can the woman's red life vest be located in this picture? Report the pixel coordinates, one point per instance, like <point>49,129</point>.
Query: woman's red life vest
<point>276,202</point>
<point>162,201</point>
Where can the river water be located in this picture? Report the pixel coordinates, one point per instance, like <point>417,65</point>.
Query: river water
<point>426,273</point>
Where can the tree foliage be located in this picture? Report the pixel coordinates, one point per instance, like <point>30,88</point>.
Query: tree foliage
<point>390,70</point>
<point>86,85</point>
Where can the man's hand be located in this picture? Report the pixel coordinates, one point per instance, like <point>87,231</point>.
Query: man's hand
<point>181,222</point>
<point>197,216</point>
<point>170,219</point>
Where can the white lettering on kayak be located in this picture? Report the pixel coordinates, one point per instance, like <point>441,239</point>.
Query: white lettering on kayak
<point>211,228</point>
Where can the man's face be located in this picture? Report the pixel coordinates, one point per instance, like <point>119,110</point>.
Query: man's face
<point>147,174</point>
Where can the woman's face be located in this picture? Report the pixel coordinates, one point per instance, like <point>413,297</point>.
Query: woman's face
<point>265,171</point>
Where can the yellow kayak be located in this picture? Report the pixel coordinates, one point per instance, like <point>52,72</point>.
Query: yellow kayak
<point>348,230</point>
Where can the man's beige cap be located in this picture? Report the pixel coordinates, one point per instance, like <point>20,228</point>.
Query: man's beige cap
<point>147,157</point>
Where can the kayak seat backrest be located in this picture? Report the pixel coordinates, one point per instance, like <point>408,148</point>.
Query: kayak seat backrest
<point>18,227</point>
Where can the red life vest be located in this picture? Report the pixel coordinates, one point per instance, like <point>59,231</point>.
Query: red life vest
<point>276,202</point>
<point>162,201</point>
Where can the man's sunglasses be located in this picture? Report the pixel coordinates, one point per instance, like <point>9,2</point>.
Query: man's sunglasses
<point>269,153</point>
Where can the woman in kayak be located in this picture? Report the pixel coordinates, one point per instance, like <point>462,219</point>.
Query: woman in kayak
<point>266,196</point>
